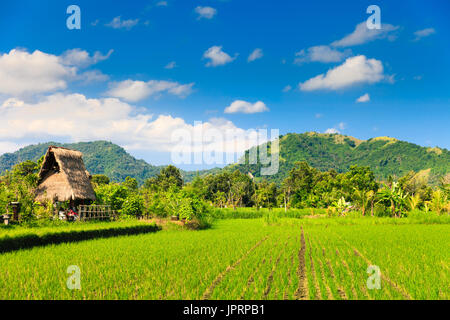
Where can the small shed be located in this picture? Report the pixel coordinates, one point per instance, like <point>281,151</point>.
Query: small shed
<point>63,177</point>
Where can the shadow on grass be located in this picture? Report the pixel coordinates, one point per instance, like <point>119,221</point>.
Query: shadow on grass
<point>8,244</point>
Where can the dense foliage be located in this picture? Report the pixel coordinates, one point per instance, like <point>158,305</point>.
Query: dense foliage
<point>305,187</point>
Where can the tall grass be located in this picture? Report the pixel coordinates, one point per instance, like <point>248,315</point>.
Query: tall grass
<point>252,213</point>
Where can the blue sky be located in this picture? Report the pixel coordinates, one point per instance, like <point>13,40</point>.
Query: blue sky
<point>151,74</point>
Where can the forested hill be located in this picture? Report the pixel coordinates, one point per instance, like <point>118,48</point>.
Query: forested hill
<point>385,156</point>
<point>100,157</point>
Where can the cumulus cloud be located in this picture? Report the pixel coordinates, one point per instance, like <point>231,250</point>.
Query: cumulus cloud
<point>324,54</point>
<point>205,12</point>
<point>355,70</point>
<point>24,73</point>
<point>28,73</point>
<point>362,35</point>
<point>363,98</point>
<point>256,54</point>
<point>118,23</point>
<point>423,33</point>
<point>110,119</point>
<point>81,58</point>
<point>337,128</point>
<point>161,4</point>
<point>217,57</point>
<point>134,90</point>
<point>12,102</point>
<point>240,106</point>
<point>332,131</point>
<point>90,76</point>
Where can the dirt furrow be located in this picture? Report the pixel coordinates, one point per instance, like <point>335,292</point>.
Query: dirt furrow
<point>314,276</point>
<point>325,282</point>
<point>394,285</point>
<point>302,291</point>
<point>286,292</point>
<point>208,292</point>
<point>349,272</point>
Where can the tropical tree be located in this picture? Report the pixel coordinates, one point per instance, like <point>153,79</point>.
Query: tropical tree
<point>394,197</point>
<point>363,199</point>
<point>439,202</point>
<point>414,201</point>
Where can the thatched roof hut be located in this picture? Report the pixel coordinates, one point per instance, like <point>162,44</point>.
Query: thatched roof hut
<point>63,177</point>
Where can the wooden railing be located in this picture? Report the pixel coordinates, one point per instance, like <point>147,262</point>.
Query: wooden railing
<point>96,212</point>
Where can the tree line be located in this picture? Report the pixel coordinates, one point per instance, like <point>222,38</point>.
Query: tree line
<point>167,194</point>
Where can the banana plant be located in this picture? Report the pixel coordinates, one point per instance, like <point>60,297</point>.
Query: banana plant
<point>395,197</point>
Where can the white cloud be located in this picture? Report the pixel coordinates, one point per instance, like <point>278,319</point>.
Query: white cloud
<point>6,146</point>
<point>81,58</point>
<point>363,98</point>
<point>355,70</point>
<point>110,119</point>
<point>323,54</point>
<point>423,33</point>
<point>23,73</point>
<point>162,4</point>
<point>12,102</point>
<point>256,54</point>
<point>217,57</point>
<point>362,34</point>
<point>332,130</point>
<point>318,115</point>
<point>27,73</point>
<point>342,125</point>
<point>92,76</point>
<point>287,88</point>
<point>134,90</point>
<point>205,12</point>
<point>118,23</point>
<point>240,106</point>
<point>171,65</point>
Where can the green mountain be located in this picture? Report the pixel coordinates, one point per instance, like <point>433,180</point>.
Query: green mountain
<point>384,155</point>
<point>100,157</point>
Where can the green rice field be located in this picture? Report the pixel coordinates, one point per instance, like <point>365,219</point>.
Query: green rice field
<point>324,258</point>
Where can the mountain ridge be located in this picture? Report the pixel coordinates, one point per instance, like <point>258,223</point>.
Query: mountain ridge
<point>384,155</point>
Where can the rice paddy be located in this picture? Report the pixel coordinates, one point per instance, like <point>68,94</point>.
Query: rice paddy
<point>243,259</point>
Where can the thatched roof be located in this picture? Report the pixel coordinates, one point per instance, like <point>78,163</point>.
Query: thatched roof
<point>63,177</point>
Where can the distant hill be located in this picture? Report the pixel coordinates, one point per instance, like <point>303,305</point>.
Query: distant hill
<point>100,157</point>
<point>385,156</point>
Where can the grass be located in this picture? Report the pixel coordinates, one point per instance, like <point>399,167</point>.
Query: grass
<point>252,213</point>
<point>244,259</point>
<point>16,237</point>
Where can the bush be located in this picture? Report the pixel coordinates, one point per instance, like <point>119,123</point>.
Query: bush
<point>133,205</point>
